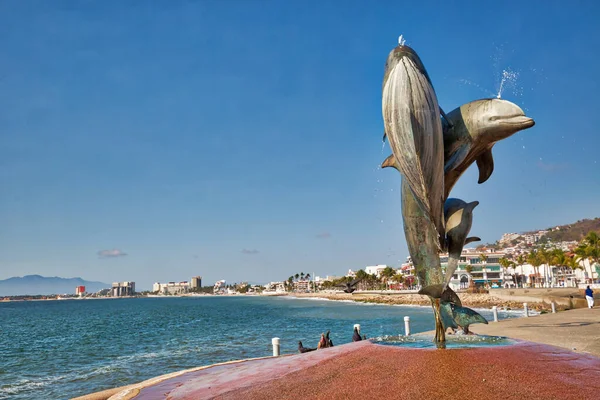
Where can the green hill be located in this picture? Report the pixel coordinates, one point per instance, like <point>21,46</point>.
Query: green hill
<point>575,231</point>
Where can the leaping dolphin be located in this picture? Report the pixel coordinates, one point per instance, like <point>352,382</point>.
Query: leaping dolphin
<point>473,130</point>
<point>411,116</point>
<point>459,218</point>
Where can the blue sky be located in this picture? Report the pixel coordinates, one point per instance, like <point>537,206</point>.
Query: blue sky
<point>240,140</point>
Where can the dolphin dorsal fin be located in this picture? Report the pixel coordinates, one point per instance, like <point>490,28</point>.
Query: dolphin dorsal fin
<point>472,239</point>
<point>485,163</point>
<point>390,162</point>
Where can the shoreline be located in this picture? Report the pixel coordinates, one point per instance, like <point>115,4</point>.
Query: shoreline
<point>471,300</point>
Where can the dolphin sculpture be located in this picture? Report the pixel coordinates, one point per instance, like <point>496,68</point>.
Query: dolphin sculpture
<point>459,218</point>
<point>422,240</point>
<point>471,130</point>
<point>412,124</point>
<point>454,316</point>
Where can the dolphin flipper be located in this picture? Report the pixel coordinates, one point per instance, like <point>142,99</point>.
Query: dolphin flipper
<point>390,162</point>
<point>457,157</point>
<point>485,163</point>
<point>472,239</point>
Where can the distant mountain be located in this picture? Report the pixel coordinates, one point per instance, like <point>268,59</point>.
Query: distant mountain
<point>36,284</point>
<point>573,232</point>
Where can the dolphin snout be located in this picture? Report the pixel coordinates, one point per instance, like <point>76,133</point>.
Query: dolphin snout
<point>522,121</point>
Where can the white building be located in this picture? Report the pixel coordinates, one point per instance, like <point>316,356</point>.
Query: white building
<point>220,286</point>
<point>375,269</point>
<point>171,287</point>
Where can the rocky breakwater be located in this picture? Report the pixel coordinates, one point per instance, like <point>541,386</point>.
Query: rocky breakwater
<point>472,300</point>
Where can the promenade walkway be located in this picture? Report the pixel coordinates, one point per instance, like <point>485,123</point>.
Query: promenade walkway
<point>577,330</point>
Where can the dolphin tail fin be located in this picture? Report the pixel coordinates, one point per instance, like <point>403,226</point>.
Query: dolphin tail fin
<point>472,239</point>
<point>485,163</point>
<point>468,316</point>
<point>446,314</point>
<point>433,291</point>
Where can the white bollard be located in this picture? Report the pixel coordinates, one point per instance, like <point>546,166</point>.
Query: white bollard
<point>495,311</point>
<point>275,342</point>
<point>553,308</point>
<point>526,309</point>
<point>407,326</point>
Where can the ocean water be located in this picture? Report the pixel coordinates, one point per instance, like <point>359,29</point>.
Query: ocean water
<point>68,348</point>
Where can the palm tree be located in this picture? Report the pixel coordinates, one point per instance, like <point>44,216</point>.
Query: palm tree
<point>521,260</point>
<point>307,276</point>
<point>545,258</point>
<point>582,253</point>
<point>504,263</point>
<point>301,276</point>
<point>573,263</point>
<point>535,261</point>
<point>297,276</point>
<point>592,239</point>
<point>559,258</point>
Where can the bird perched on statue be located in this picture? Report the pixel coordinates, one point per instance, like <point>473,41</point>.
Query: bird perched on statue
<point>303,349</point>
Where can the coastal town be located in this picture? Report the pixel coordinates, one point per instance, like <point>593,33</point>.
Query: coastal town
<point>516,260</point>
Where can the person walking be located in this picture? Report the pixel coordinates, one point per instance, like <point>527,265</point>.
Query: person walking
<point>589,296</point>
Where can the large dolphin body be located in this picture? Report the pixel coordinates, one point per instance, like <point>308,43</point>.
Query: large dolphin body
<point>470,132</point>
<point>412,124</point>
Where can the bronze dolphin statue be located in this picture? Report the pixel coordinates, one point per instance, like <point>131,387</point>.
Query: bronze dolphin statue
<point>422,241</point>
<point>454,316</point>
<point>473,130</point>
<point>411,116</point>
<point>459,218</point>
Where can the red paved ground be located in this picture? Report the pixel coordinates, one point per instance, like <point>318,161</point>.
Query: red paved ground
<point>364,370</point>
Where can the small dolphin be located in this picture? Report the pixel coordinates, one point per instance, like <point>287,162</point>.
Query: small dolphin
<point>303,349</point>
<point>412,124</point>
<point>459,218</point>
<point>476,127</point>
<point>356,335</point>
<point>454,316</point>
